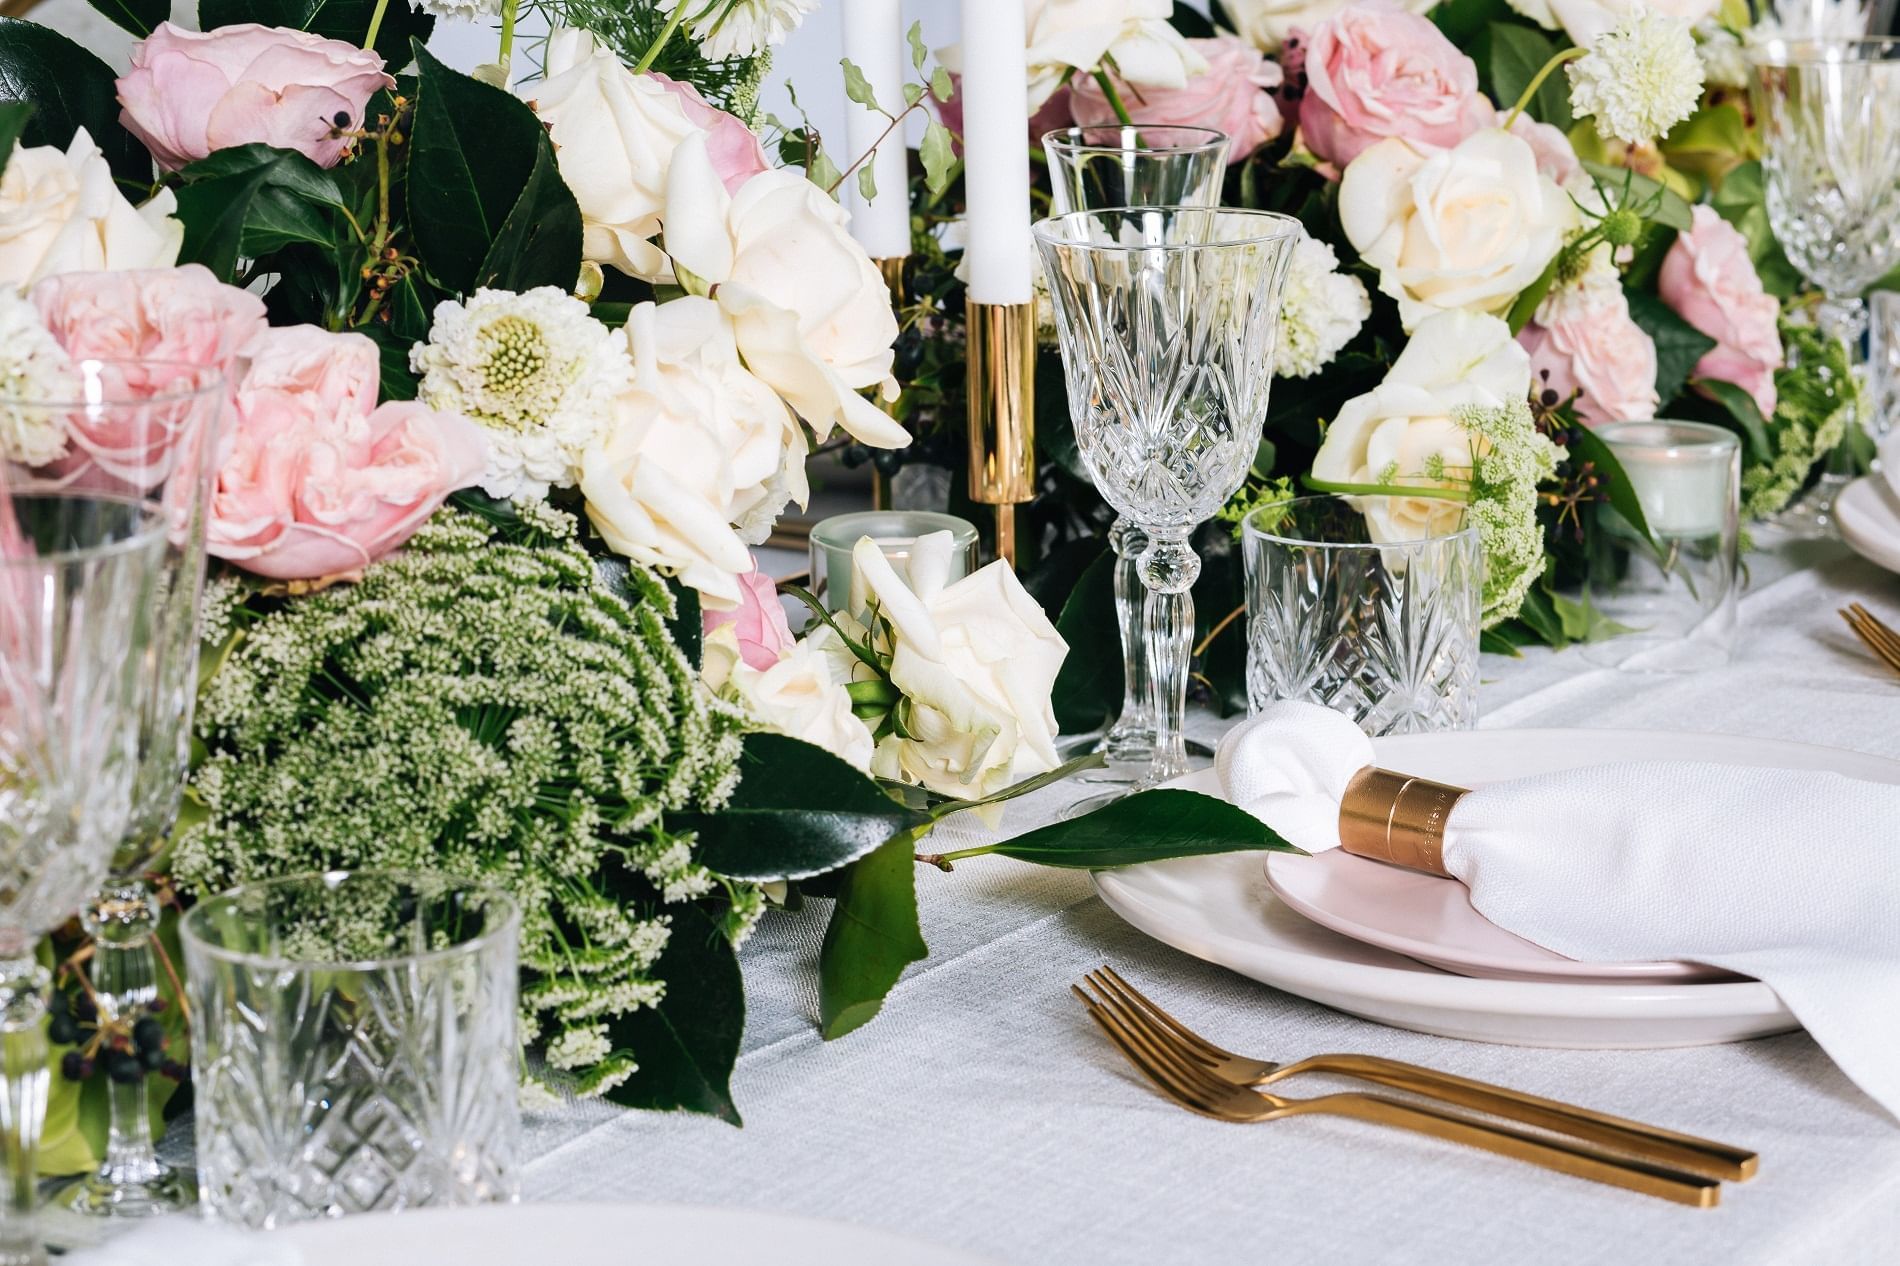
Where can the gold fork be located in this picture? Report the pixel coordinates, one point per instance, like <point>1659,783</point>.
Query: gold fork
<point>1880,639</point>
<point>1191,1086</point>
<point>1666,1147</point>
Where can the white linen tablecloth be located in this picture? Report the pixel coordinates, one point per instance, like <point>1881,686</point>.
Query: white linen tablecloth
<point>983,1110</point>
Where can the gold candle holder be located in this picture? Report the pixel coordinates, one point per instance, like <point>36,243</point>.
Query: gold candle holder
<point>1397,818</point>
<point>1002,395</point>
<point>891,269</point>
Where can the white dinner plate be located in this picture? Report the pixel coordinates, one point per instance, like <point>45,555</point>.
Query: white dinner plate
<point>1220,909</point>
<point>1868,511</point>
<point>650,1234</point>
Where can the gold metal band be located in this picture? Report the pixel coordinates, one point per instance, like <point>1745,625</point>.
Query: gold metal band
<point>1002,402</point>
<point>1397,818</point>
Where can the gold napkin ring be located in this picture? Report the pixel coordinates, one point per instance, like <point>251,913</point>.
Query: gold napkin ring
<point>1397,818</point>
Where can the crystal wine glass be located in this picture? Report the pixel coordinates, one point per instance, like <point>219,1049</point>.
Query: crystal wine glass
<point>1168,318</point>
<point>1117,166</point>
<point>78,575</point>
<point>1829,113</point>
<point>145,432</point>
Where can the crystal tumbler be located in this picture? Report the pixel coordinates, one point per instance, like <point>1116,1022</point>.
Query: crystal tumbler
<point>1385,633</point>
<point>353,1046</point>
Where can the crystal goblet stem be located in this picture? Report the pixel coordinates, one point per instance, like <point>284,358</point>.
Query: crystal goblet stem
<point>1169,567</point>
<point>1131,738</point>
<point>23,1085</point>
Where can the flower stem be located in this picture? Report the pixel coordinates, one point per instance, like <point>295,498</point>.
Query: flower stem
<point>1386,490</point>
<point>1114,97</point>
<point>507,49</point>
<point>375,23</point>
<point>1537,81</point>
<point>673,20</point>
<point>943,861</point>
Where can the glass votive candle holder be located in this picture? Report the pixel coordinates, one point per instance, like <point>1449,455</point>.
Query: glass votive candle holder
<point>896,533</point>
<point>353,1046</point>
<point>1386,633</point>
<point>1677,599</point>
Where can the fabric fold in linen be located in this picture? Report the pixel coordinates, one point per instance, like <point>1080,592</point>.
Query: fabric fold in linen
<point>1792,877</point>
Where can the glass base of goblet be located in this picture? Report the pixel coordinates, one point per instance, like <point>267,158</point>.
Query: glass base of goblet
<point>1811,515</point>
<point>1128,758</point>
<point>149,1195</point>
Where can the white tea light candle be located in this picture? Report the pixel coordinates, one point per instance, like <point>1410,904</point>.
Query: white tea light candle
<point>874,43</point>
<point>896,532</point>
<point>1686,474</point>
<point>996,151</point>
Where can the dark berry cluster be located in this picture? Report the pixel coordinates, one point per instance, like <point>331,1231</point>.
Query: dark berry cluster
<point>124,1049</point>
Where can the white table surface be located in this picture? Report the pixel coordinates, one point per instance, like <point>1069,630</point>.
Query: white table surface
<point>982,1110</point>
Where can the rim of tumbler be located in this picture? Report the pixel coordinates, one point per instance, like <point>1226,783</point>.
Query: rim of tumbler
<point>509,926</point>
<point>215,381</point>
<point>844,531</point>
<point>1824,50</point>
<point>1067,139</point>
<point>1280,538</point>
<point>1050,230</point>
<point>1703,439</point>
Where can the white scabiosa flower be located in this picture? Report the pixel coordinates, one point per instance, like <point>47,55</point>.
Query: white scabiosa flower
<point>33,367</point>
<point>1639,79</point>
<point>1321,310</point>
<point>536,370</point>
<point>1724,59</point>
<point>746,28</point>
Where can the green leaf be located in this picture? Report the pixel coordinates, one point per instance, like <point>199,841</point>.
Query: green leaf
<point>346,20</point>
<point>1048,778</point>
<point>1518,52</point>
<point>1585,445</point>
<point>1464,21</point>
<point>919,51</point>
<point>1669,208</point>
<point>485,194</point>
<point>1526,305</point>
<point>1146,827</point>
<point>1088,690</point>
<point>821,171</point>
<point>13,120</point>
<point>689,1042</point>
<point>1539,614</point>
<point>1582,622</point>
<point>913,93</point>
<point>252,200</point>
<point>69,89</point>
<point>798,811</point>
<point>1190,22</point>
<point>141,17</point>
<point>858,88</point>
<point>942,87</point>
<point>1679,345</point>
<point>867,182</point>
<point>873,935</point>
<point>1508,638</point>
<point>1716,129</point>
<point>1747,414</point>
<point>939,157</point>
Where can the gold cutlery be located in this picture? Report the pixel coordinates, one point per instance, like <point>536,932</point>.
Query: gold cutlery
<point>1881,640</point>
<point>1193,1087</point>
<point>1666,1147</point>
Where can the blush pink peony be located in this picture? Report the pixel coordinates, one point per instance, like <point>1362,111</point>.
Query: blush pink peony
<point>1710,282</point>
<point>189,93</point>
<point>1234,95</point>
<point>1585,342</point>
<point>736,152</point>
<point>1556,157</point>
<point>1375,71</point>
<point>316,483</point>
<point>758,622</point>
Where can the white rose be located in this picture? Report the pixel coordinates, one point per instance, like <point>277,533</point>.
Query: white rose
<point>1267,23</point>
<point>694,447</point>
<point>614,135</point>
<point>1584,20</point>
<point>62,213</point>
<point>1466,227</point>
<point>802,696</point>
<point>1084,36</point>
<point>1403,428</point>
<point>811,314</point>
<point>977,662</point>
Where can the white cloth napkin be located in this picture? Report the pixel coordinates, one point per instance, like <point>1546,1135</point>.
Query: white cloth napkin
<point>1792,877</point>
<point>188,1241</point>
<point>1889,451</point>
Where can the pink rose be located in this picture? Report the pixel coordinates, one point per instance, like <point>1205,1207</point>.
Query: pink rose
<point>758,621</point>
<point>1556,157</point>
<point>1585,341</point>
<point>316,483</point>
<point>1235,95</point>
<point>736,152</point>
<point>1375,71</point>
<point>189,93</point>
<point>1710,281</point>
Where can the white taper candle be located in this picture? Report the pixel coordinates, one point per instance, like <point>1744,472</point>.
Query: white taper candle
<point>874,43</point>
<point>996,151</point>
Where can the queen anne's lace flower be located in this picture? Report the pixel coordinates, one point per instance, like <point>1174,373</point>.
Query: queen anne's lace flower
<point>33,366</point>
<point>1511,457</point>
<point>536,370</point>
<point>1321,311</point>
<point>746,28</point>
<point>1639,79</point>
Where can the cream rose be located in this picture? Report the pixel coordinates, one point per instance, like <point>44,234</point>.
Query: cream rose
<point>1267,23</point>
<point>614,135</point>
<point>61,213</point>
<point>1082,36</point>
<point>1584,20</point>
<point>976,661</point>
<point>1465,227</point>
<point>811,315</point>
<point>1404,430</point>
<point>801,695</point>
<point>691,449</point>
